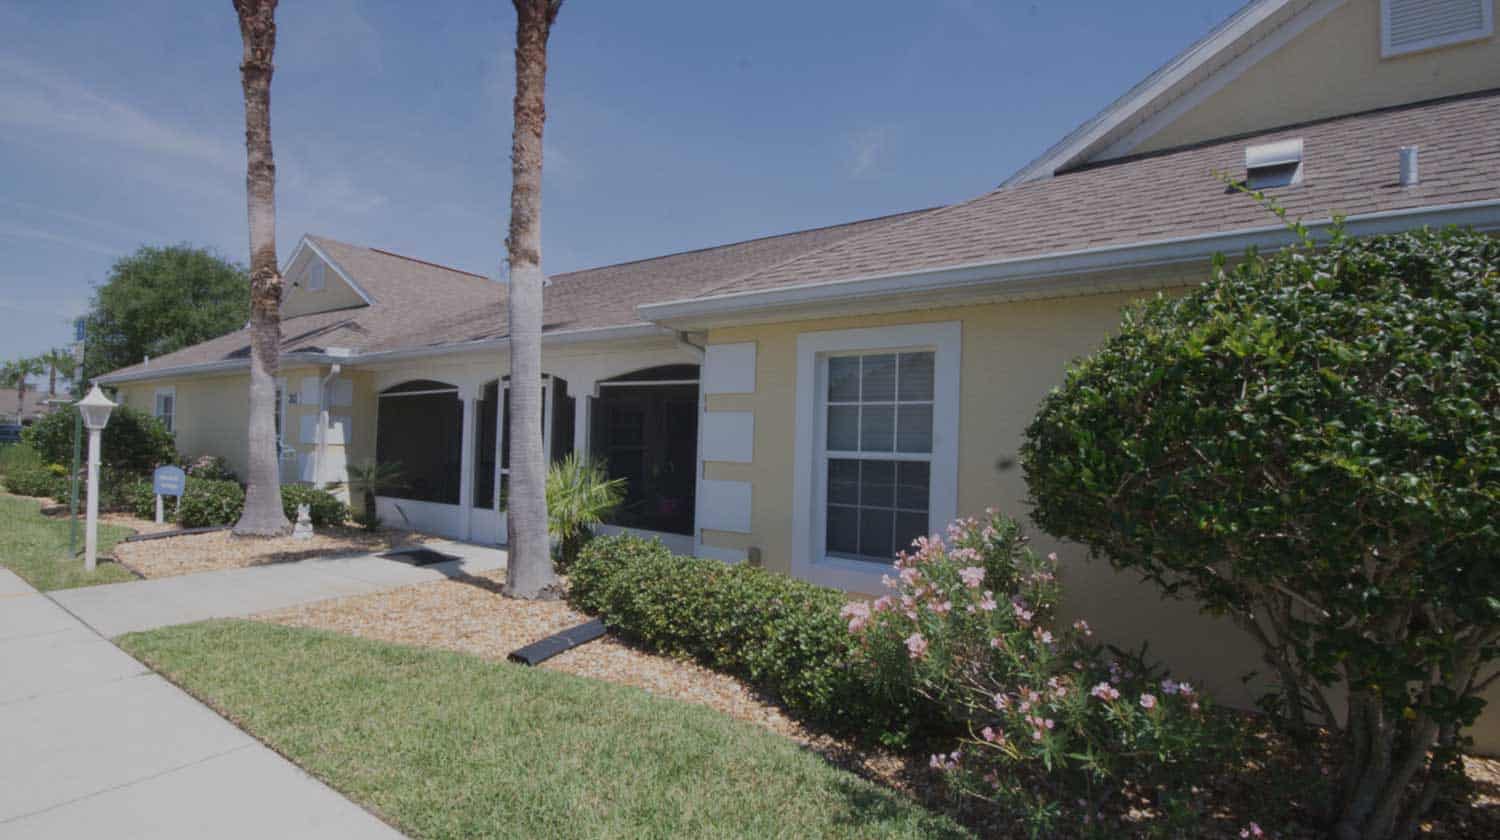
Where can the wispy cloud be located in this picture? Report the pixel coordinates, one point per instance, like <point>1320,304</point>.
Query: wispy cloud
<point>38,98</point>
<point>11,230</point>
<point>336,32</point>
<point>867,149</point>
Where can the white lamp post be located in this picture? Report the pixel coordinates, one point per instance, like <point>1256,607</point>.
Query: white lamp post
<point>95,409</point>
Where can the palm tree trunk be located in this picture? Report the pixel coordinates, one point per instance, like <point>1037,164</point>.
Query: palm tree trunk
<point>52,381</point>
<point>263,514</point>
<point>529,572</point>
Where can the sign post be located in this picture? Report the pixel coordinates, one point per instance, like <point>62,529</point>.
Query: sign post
<point>80,332</point>
<point>167,481</point>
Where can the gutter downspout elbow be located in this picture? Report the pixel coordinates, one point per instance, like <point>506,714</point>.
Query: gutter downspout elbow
<point>683,340</point>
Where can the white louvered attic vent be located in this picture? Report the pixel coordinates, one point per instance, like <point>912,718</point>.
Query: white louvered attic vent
<point>315,275</point>
<point>1273,164</point>
<point>1408,26</point>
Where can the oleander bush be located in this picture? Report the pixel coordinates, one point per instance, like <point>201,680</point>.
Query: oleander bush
<point>1310,444</point>
<point>783,635</point>
<point>1061,735</point>
<point>212,467</point>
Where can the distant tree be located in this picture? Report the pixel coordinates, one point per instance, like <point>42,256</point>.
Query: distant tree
<point>58,360</point>
<point>530,573</point>
<point>263,515</point>
<point>15,375</point>
<point>162,299</point>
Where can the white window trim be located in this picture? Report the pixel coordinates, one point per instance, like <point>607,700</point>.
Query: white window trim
<point>1387,50</point>
<point>945,339</point>
<point>156,407</point>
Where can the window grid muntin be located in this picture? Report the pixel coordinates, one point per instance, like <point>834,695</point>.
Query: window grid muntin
<point>862,456</point>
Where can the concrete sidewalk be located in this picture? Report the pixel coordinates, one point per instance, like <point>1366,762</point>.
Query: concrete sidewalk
<point>118,608</point>
<point>92,744</point>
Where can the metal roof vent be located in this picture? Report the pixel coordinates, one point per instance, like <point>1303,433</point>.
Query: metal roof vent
<point>1411,171</point>
<point>1273,164</point>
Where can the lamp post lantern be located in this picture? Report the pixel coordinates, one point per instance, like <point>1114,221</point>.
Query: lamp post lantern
<point>95,409</point>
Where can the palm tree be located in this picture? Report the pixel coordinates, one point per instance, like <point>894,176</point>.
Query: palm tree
<point>529,572</point>
<point>59,360</point>
<point>580,495</point>
<point>369,480</point>
<point>15,375</point>
<point>262,514</point>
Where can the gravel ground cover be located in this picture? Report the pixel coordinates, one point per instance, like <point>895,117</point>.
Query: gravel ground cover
<point>222,550</point>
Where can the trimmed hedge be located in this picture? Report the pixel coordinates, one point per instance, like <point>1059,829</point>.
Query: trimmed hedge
<point>324,508</point>
<point>206,503</point>
<point>783,635</point>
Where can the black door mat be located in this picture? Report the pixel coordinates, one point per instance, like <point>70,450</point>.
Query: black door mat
<point>419,556</point>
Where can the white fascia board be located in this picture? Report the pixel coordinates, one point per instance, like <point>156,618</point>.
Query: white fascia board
<point>1149,90</point>
<point>205,369</point>
<point>1060,272</point>
<point>561,337</point>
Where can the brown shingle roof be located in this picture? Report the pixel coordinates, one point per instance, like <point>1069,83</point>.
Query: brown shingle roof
<point>420,304</point>
<point>1350,167</point>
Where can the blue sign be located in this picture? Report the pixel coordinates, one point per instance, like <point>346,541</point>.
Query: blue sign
<point>168,481</point>
<point>80,328</point>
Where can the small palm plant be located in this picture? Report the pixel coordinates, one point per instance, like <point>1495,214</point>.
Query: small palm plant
<point>370,480</point>
<point>580,495</point>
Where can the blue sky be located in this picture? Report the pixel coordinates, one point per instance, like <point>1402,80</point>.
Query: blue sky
<point>672,125</point>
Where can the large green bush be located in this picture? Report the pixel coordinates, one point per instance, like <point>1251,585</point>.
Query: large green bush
<point>783,635</point>
<point>18,456</point>
<point>324,508</point>
<point>133,441</point>
<point>1310,443</point>
<point>206,503</point>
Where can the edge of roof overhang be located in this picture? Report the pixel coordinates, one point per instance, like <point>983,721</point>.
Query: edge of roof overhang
<point>624,332</point>
<point>1061,273</point>
<point>306,242</point>
<point>1162,83</point>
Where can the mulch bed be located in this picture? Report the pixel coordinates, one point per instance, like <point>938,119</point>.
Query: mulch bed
<point>471,615</point>
<point>218,550</point>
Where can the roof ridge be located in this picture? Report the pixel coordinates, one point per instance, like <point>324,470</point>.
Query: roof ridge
<point>765,238</point>
<point>422,261</point>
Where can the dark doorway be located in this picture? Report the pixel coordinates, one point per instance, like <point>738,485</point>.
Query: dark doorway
<point>420,427</point>
<point>645,427</point>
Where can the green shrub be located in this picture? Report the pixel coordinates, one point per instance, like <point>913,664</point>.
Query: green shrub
<point>1053,730</point>
<point>324,508</point>
<point>138,498</point>
<point>18,456</point>
<point>133,441</point>
<point>1310,443</point>
<point>783,635</point>
<point>34,480</point>
<point>206,503</point>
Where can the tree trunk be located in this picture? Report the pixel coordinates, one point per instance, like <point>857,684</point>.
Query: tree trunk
<point>263,514</point>
<point>529,572</point>
<point>52,381</point>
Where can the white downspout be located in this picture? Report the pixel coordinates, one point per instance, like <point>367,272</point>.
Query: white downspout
<point>318,450</point>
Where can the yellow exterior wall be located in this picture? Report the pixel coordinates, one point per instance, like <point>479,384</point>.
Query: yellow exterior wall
<point>1334,67</point>
<point>1013,354</point>
<point>299,300</point>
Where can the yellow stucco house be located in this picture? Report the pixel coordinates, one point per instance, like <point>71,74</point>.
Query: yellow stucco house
<point>812,401</point>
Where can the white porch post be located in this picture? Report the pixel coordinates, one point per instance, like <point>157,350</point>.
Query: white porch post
<point>468,394</point>
<point>581,406</point>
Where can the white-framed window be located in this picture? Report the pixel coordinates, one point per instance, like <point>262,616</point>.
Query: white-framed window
<point>876,447</point>
<point>1408,26</point>
<point>166,408</point>
<point>315,278</point>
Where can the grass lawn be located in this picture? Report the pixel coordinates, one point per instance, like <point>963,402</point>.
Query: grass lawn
<point>448,745</point>
<point>36,547</point>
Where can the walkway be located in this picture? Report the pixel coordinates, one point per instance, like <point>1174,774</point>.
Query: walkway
<point>118,608</point>
<point>95,745</point>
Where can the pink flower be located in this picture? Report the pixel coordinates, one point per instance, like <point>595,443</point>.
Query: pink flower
<point>916,646</point>
<point>942,607</point>
<point>858,614</point>
<point>1148,701</point>
<point>910,576</point>
<point>1185,689</point>
<point>997,643</point>
<point>1252,830</point>
<point>1169,686</point>
<point>972,576</point>
<point>1105,691</point>
<point>882,603</point>
<point>987,603</point>
<point>1002,702</point>
<point>1083,627</point>
<point>988,734</point>
<point>1043,636</point>
<point>944,762</point>
<point>888,582</point>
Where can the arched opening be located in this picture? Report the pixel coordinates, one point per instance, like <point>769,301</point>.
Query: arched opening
<point>419,425</point>
<point>644,425</point>
<point>493,425</point>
